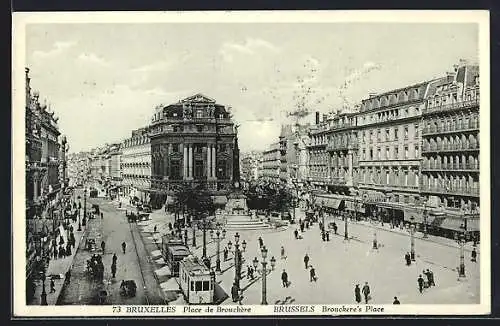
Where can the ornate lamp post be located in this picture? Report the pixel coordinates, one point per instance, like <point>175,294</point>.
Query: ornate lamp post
<point>204,255</point>
<point>43,297</point>
<point>425,220</point>
<point>194,234</point>
<point>218,237</point>
<point>461,242</point>
<point>412,239</point>
<point>264,272</point>
<point>322,213</point>
<point>237,259</point>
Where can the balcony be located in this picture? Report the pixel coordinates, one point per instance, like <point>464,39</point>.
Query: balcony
<point>337,181</point>
<point>317,144</point>
<point>339,146</point>
<point>463,191</point>
<point>452,107</point>
<point>451,129</point>
<point>451,167</point>
<point>450,148</point>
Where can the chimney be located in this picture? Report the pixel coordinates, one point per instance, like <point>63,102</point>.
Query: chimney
<point>325,117</point>
<point>317,117</point>
<point>450,76</point>
<point>372,95</point>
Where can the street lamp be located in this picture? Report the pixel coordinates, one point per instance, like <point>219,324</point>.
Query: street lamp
<point>84,220</point>
<point>322,213</point>
<point>43,297</point>
<point>218,237</point>
<point>264,272</point>
<point>375,243</point>
<point>194,234</point>
<point>237,259</point>
<point>425,219</point>
<point>412,239</point>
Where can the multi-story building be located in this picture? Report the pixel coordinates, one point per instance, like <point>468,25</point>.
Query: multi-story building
<point>318,156</point>
<point>450,166</point>
<point>271,162</point>
<point>250,166</point>
<point>194,141</point>
<point>135,163</point>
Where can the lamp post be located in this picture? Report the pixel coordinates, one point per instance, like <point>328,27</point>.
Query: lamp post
<point>43,297</point>
<point>462,238</point>
<point>322,213</point>
<point>264,272</point>
<point>218,237</point>
<point>204,255</point>
<point>425,236</point>
<point>84,220</point>
<point>412,239</point>
<point>194,234</point>
<point>237,259</point>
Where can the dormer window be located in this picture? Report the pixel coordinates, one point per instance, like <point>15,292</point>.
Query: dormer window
<point>199,114</point>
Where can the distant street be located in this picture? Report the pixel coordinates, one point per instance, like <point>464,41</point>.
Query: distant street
<point>113,229</point>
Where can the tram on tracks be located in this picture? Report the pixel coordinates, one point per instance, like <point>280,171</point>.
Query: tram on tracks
<point>173,251</point>
<point>197,281</point>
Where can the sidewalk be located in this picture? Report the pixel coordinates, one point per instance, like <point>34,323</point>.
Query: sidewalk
<point>57,267</point>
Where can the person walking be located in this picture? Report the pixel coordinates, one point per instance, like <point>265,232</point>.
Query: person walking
<point>283,255</point>
<point>312,275</point>
<point>113,269</point>
<point>420,281</point>
<point>327,235</point>
<point>335,227</point>
<point>234,292</point>
<point>473,255</point>
<point>396,301</point>
<point>261,242</point>
<point>114,258</point>
<point>124,246</point>
<point>306,261</point>
<point>302,227</point>
<point>357,293</point>
<point>103,246</point>
<point>408,259</point>
<point>296,233</point>
<point>430,278</point>
<point>155,228</point>
<point>102,216</point>
<point>226,252</point>
<point>284,279</point>
<point>52,286</point>
<point>366,292</point>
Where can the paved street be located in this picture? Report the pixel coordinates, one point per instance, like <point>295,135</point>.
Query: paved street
<point>113,229</point>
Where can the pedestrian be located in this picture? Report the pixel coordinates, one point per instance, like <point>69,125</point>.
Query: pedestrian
<point>474,255</point>
<point>113,269</point>
<point>226,252</point>
<point>249,271</point>
<point>296,233</point>
<point>335,227</point>
<point>307,224</point>
<point>283,255</point>
<point>170,226</point>
<point>420,281</point>
<point>302,227</point>
<point>103,246</point>
<point>321,226</point>
<point>261,242</point>
<point>357,293</point>
<point>55,252</point>
<point>312,275</point>
<point>124,246</point>
<point>61,240</point>
<point>327,235</point>
<point>52,286</point>
<point>68,249</point>
<point>408,259</point>
<point>306,261</point>
<point>154,230</point>
<point>234,292</point>
<point>430,277</point>
<point>366,292</point>
<point>102,216</point>
<point>61,252</point>
<point>396,301</point>
<point>284,279</point>
<point>114,258</point>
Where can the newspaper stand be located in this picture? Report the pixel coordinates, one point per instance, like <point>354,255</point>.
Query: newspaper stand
<point>196,281</point>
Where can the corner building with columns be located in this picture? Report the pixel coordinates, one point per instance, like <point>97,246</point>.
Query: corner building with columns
<point>193,141</point>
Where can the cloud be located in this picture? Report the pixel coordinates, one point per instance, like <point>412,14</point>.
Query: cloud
<point>93,58</point>
<point>159,65</point>
<point>250,47</point>
<point>57,48</point>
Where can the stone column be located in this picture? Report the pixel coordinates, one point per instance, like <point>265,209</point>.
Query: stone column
<point>213,156</point>
<point>185,163</point>
<point>190,162</point>
<point>209,161</point>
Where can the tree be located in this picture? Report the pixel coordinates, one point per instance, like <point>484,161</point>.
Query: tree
<point>196,200</point>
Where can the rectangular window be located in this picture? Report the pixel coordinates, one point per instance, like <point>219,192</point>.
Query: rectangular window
<point>416,152</point>
<point>406,152</point>
<point>175,170</point>
<point>199,128</point>
<point>192,285</point>
<point>371,135</point>
<point>387,134</point>
<point>416,129</point>
<point>378,134</point>
<point>387,153</point>
<point>199,286</point>
<point>206,285</point>
<point>396,152</point>
<point>371,154</point>
<point>198,169</point>
<point>175,148</point>
<point>378,154</point>
<point>364,155</point>
<point>396,133</point>
<point>406,132</point>
<point>406,179</point>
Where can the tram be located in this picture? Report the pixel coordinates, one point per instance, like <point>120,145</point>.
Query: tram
<point>196,280</point>
<point>173,251</point>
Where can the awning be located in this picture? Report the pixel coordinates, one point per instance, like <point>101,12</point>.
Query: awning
<point>455,224</point>
<point>220,200</point>
<point>333,203</point>
<point>473,224</point>
<point>414,216</point>
<point>351,206</point>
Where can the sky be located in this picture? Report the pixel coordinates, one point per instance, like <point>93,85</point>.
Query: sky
<point>104,80</point>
